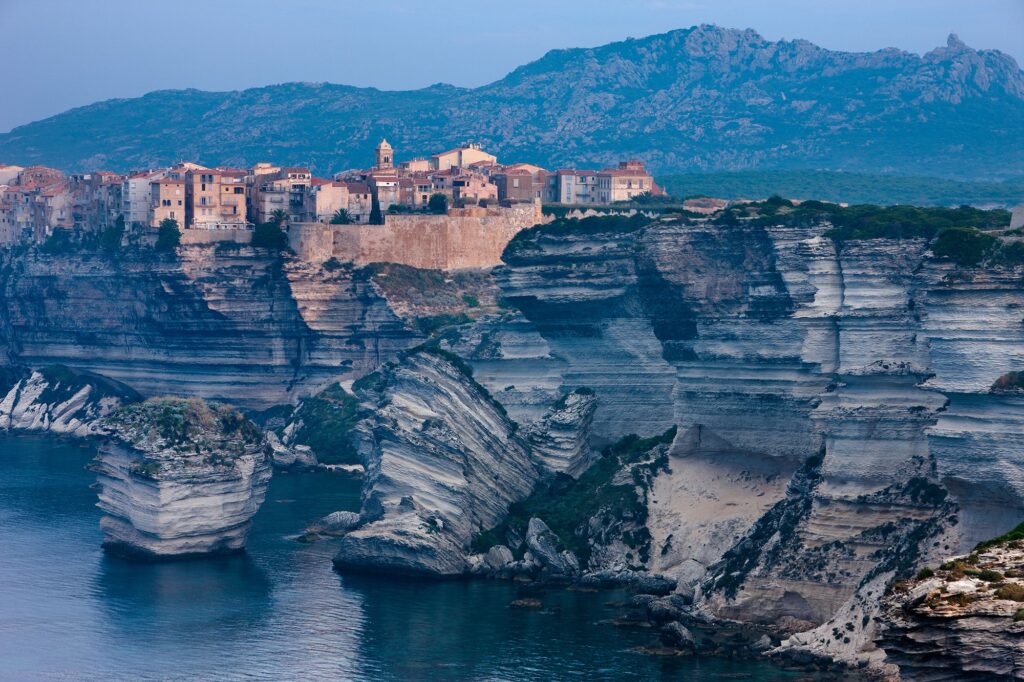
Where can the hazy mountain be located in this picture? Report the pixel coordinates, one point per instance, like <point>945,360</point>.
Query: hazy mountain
<point>693,99</point>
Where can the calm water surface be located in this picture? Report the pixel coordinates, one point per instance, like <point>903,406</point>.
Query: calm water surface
<point>279,612</point>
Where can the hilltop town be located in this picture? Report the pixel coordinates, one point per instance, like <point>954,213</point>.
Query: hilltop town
<point>220,204</point>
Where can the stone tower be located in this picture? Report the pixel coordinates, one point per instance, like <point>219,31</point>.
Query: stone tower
<point>385,156</point>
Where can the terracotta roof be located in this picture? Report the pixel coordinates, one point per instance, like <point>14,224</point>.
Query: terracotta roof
<point>357,187</point>
<point>572,171</point>
<point>169,181</point>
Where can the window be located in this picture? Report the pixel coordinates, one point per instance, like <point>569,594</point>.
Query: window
<point>203,187</point>
<point>515,182</point>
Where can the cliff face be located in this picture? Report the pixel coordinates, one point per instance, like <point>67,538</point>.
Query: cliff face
<point>836,425</point>
<point>179,478</point>
<point>443,462</point>
<point>219,323</point>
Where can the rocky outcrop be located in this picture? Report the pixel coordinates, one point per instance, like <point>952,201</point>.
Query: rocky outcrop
<point>179,478</point>
<point>58,399</point>
<point>443,462</point>
<point>224,322</point>
<point>560,440</point>
<point>962,621</point>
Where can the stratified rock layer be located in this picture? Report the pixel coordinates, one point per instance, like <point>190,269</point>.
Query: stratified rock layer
<point>179,478</point>
<point>58,399</point>
<point>836,426</point>
<point>443,462</point>
<point>236,324</point>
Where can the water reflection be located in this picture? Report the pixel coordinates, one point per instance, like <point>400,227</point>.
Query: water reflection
<point>225,596</point>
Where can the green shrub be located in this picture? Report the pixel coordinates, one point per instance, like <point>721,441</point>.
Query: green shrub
<point>1014,592</point>
<point>59,242</point>
<point>1019,616</point>
<point>437,203</point>
<point>471,300</point>
<point>327,422</point>
<point>990,576</point>
<point>925,573</point>
<point>269,236</point>
<point>966,246</point>
<point>168,237</point>
<point>110,239</point>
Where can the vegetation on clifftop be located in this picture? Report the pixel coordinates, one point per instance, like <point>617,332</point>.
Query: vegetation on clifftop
<point>190,423</point>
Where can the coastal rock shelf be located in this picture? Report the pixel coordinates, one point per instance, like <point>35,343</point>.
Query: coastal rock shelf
<point>963,621</point>
<point>179,478</point>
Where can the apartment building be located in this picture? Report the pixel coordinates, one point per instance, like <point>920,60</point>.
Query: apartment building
<point>215,198</point>
<point>625,182</point>
<point>283,190</point>
<point>167,200</point>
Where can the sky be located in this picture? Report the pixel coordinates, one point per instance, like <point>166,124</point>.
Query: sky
<point>65,53</point>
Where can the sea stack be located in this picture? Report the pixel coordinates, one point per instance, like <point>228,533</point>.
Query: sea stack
<point>179,478</point>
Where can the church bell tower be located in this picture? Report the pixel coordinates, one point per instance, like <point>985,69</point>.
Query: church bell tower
<point>385,156</point>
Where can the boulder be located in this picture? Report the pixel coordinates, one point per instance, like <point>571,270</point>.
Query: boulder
<point>678,636</point>
<point>543,544</point>
<point>498,558</point>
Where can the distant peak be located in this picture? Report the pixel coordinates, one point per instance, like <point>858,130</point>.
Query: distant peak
<point>954,41</point>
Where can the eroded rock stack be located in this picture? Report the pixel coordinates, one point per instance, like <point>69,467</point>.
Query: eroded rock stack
<point>179,478</point>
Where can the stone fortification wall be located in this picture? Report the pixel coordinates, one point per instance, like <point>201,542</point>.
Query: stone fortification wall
<point>194,236</point>
<point>464,238</point>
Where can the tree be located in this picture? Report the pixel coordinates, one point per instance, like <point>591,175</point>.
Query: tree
<point>279,216</point>
<point>169,236</point>
<point>269,236</point>
<point>110,240</point>
<point>438,203</point>
<point>341,217</point>
<point>376,217</point>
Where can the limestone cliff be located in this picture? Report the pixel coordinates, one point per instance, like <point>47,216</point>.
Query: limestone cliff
<point>179,478</point>
<point>443,462</point>
<point>62,400</point>
<point>837,426</point>
<point>222,322</point>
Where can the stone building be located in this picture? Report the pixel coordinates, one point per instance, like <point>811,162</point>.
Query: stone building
<point>461,157</point>
<point>167,200</point>
<point>625,182</point>
<point>215,198</point>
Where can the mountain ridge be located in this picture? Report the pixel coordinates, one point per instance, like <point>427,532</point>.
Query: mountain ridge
<point>702,98</point>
